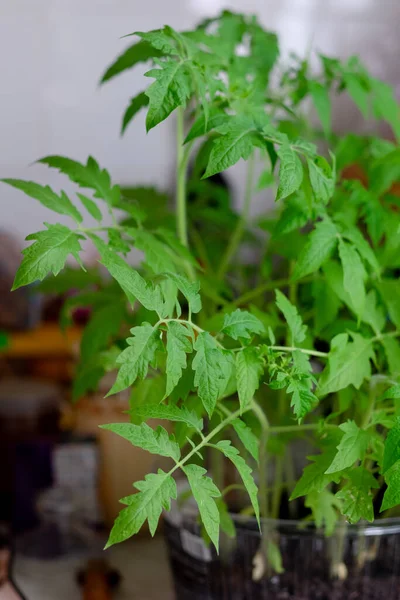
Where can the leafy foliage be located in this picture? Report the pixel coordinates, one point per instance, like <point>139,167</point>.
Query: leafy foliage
<point>222,309</point>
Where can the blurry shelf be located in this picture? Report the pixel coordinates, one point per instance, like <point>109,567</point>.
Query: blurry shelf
<point>46,340</point>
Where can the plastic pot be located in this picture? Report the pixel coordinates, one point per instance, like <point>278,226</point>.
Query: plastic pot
<point>357,562</point>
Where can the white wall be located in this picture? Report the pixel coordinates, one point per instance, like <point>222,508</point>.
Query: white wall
<point>52,53</point>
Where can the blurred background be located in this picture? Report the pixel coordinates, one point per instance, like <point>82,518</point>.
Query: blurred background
<point>52,55</point>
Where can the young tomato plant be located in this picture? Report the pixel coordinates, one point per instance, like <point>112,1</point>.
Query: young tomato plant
<point>246,357</point>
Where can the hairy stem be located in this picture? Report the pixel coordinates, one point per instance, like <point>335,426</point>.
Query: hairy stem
<point>182,154</point>
<point>241,224</point>
<point>262,453</point>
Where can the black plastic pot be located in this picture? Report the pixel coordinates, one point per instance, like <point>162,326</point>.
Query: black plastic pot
<point>358,562</point>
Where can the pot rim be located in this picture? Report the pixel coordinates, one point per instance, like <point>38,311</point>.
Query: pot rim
<point>378,527</point>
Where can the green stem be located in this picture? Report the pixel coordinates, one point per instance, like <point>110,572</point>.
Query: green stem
<point>303,350</point>
<point>182,155</point>
<point>277,493</point>
<point>295,428</point>
<point>266,287</point>
<point>205,441</point>
<point>241,224</point>
<point>262,456</point>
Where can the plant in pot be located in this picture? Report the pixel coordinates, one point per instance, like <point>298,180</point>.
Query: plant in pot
<point>269,342</point>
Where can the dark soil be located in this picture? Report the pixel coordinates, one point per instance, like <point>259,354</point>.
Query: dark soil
<point>229,576</point>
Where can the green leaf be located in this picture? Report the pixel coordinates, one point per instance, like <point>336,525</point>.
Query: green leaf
<point>355,236</point>
<point>349,363</point>
<point>319,247</point>
<point>136,103</point>
<point>47,254</point>
<point>390,292</point>
<point>156,253</point>
<point>322,103</point>
<point>240,324</point>
<point>385,104</point>
<point>189,289</point>
<point>59,203</point>
<point>244,471</point>
<point>135,359</point>
<point>146,394</point>
<point>303,400</point>
<point>170,413</point>
<point>91,207</point>
<point>162,39</point>
<point>204,491</point>
<point>89,176</point>
<point>104,324</point>
<point>249,368</point>
<point>326,305</point>
<point>155,441</point>
<point>392,494</point>
<point>290,172</point>
<point>211,368</point>
<point>392,392</point>
<point>392,351</point>
<point>178,345</point>
<point>352,447</point>
<point>154,495</point>
<point>247,437</point>
<point>202,126</point>
<point>374,314</point>
<point>172,88</point>
<point>226,522</point>
<point>237,141</point>
<point>314,477</point>
<point>353,275</point>
<point>322,178</point>
<point>139,52</point>
<point>292,317</point>
<point>356,496</point>
<point>357,92</point>
<point>130,281</point>
<point>323,506</point>
<point>391,452</point>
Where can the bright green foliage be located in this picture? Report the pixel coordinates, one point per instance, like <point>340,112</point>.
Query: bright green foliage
<point>240,324</point>
<point>353,275</point>
<point>244,471</point>
<point>178,345</point>
<point>290,172</point>
<point>138,52</point>
<point>348,363</point>
<point>324,506</point>
<point>156,441</point>
<point>89,176</point>
<point>356,496</point>
<point>392,447</point>
<point>171,413</point>
<point>154,495</point>
<point>211,367</point>
<point>319,247</point>
<point>204,492</point>
<point>392,494</point>
<point>322,103</point>
<point>247,437</point>
<point>352,447</point>
<point>238,139</point>
<point>314,477</point>
<point>137,357</point>
<point>231,315</point>
<point>171,88</point>
<point>249,368</point>
<point>59,203</point>
<point>136,103</point>
<point>322,178</point>
<point>293,319</point>
<point>47,254</point>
